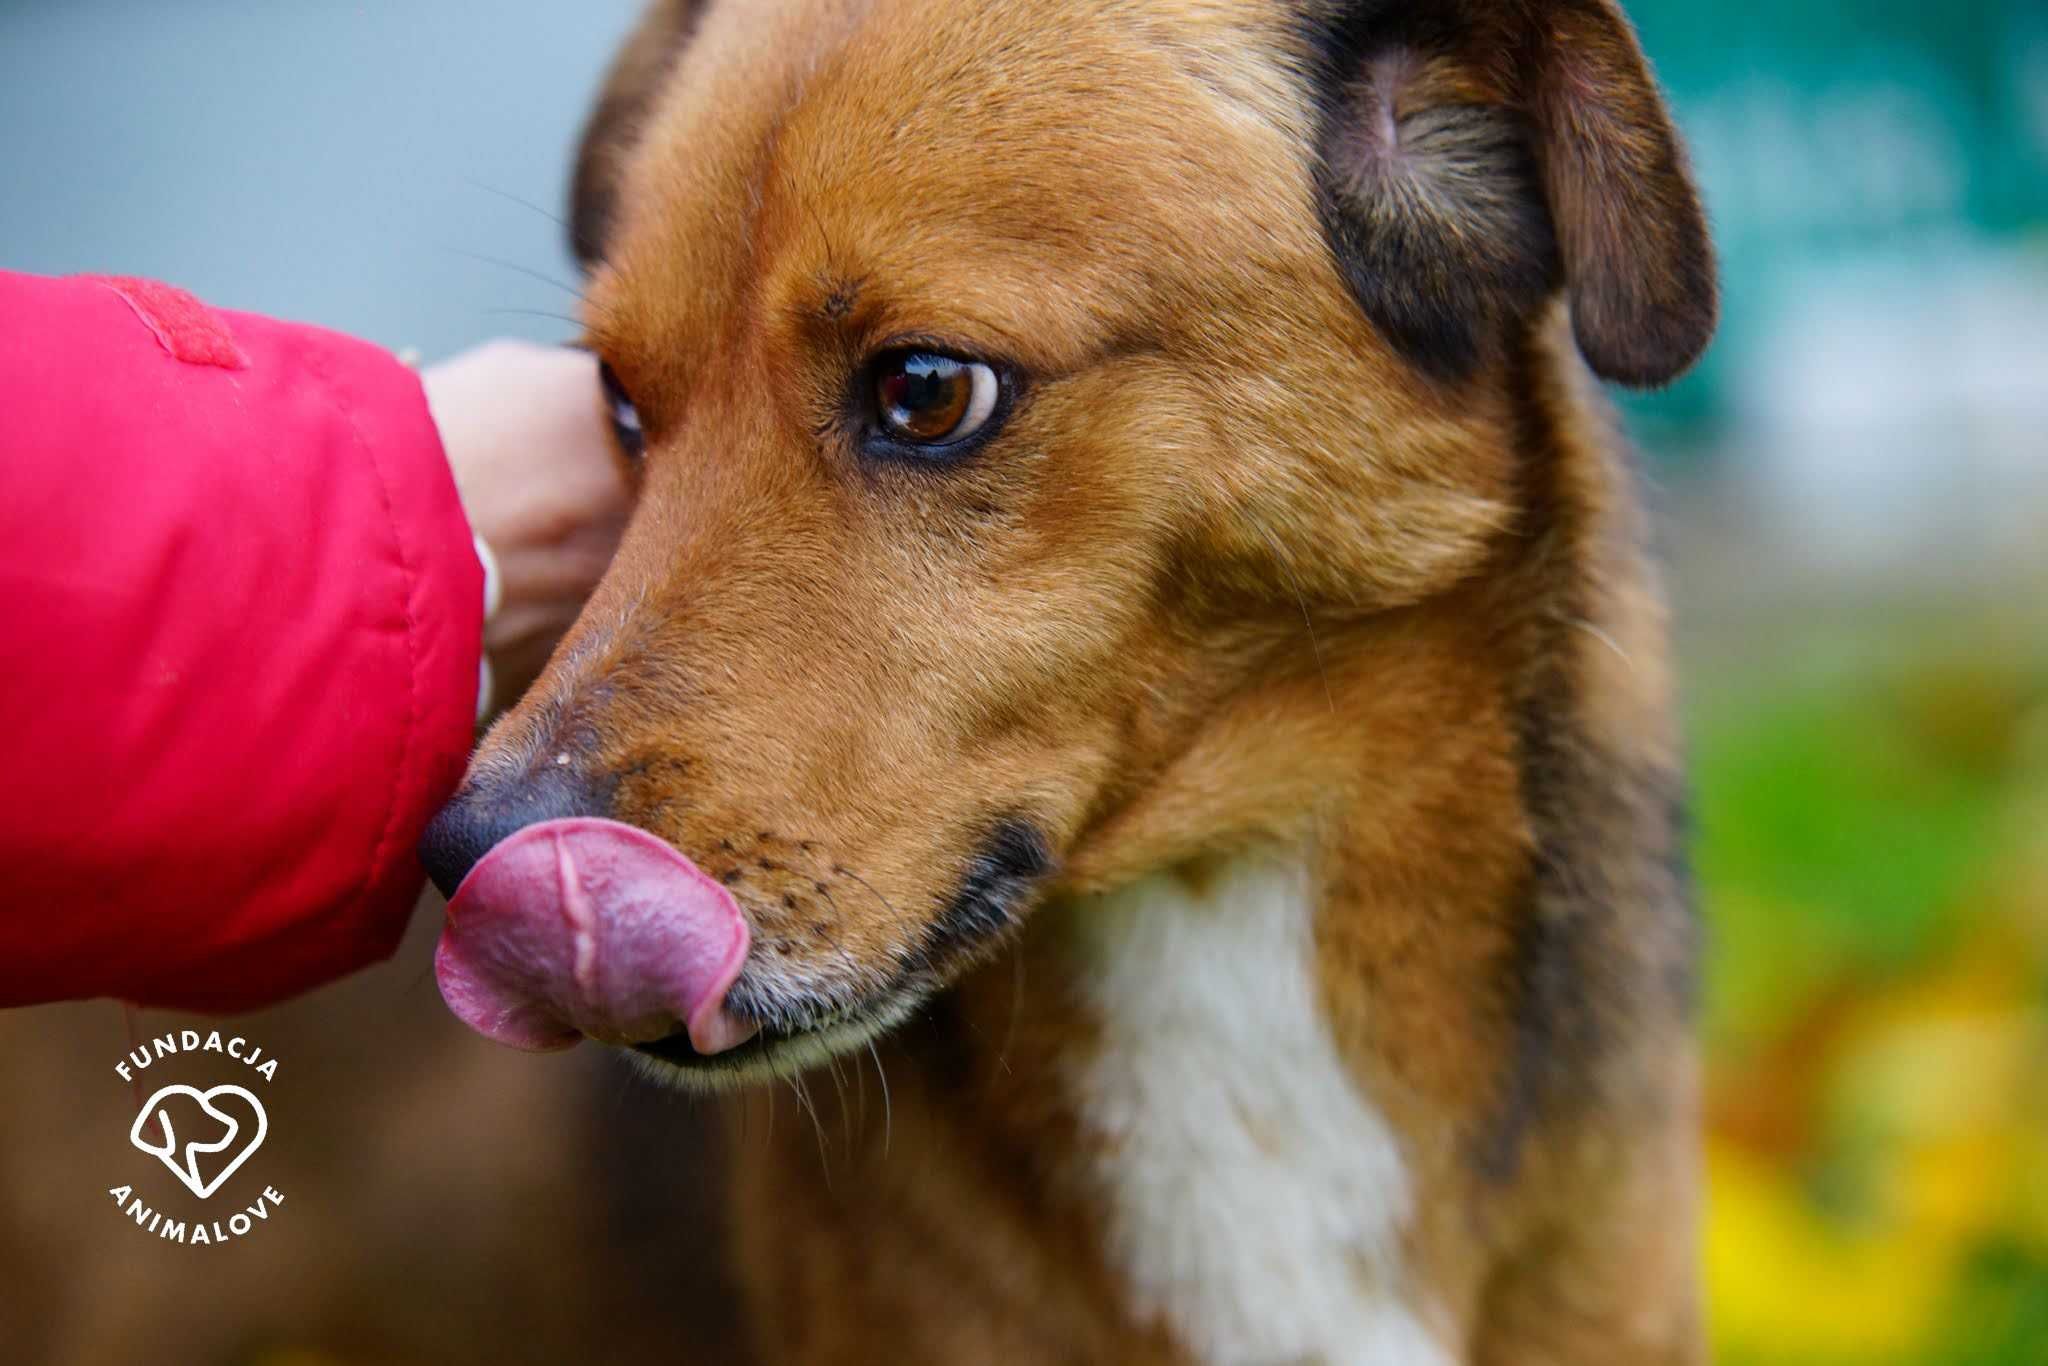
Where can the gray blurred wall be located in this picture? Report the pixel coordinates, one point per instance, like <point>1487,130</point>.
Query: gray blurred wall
<point>336,163</point>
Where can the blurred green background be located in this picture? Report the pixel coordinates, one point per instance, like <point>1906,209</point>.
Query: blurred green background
<point>1855,486</point>
<point>1857,496</point>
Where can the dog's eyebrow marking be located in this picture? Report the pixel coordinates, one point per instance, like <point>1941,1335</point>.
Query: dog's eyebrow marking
<point>840,297</point>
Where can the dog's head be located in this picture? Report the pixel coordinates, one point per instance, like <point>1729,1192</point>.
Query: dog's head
<point>1024,401</point>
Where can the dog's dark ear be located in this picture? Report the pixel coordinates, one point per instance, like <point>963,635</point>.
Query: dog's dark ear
<point>1478,155</point>
<point>615,124</point>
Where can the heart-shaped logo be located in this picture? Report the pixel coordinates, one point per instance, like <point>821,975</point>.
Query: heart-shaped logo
<point>184,1163</point>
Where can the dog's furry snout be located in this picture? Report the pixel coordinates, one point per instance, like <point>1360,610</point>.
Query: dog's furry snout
<point>492,807</point>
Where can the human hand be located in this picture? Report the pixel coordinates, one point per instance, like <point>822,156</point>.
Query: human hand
<point>541,481</point>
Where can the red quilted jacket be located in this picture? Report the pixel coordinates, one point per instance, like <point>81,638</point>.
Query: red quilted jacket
<point>240,621</point>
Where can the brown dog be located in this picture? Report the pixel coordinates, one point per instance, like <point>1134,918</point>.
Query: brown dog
<point>1135,591</point>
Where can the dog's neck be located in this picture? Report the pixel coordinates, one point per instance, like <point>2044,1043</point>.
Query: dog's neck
<point>1239,1162</point>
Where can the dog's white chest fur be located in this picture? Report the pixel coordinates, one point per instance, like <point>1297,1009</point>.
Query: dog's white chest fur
<point>1256,1198</point>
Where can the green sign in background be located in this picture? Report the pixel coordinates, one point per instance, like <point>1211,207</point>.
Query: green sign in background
<point>1899,132</point>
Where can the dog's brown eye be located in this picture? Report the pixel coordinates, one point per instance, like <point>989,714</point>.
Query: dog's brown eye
<point>923,398</point>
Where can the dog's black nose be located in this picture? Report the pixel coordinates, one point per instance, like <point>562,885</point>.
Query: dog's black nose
<point>489,809</point>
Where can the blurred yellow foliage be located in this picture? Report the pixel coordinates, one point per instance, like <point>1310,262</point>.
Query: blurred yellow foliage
<point>1789,1285</point>
<point>1878,1144</point>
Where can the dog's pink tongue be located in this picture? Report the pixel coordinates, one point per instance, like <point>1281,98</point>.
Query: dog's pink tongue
<point>589,927</point>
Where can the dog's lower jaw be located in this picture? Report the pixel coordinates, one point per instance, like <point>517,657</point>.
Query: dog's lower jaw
<point>1240,1165</point>
<point>771,1057</point>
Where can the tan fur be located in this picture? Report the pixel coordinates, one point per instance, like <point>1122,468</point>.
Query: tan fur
<point>1235,576</point>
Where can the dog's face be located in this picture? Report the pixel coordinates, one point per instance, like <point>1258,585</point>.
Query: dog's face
<point>1013,391</point>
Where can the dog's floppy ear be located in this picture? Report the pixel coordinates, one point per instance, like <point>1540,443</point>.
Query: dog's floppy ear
<point>616,123</point>
<point>1478,155</point>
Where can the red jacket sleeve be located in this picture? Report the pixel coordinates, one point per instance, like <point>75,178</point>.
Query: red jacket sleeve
<point>240,622</point>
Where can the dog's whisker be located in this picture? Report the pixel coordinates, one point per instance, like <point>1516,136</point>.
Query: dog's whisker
<point>1594,631</point>
<point>529,272</point>
<point>860,1084</point>
<point>419,979</point>
<point>845,1118</point>
<point>803,1104</point>
<point>508,196</point>
<point>888,1110</point>
<point>832,901</point>
<point>848,872</point>
<point>533,313</point>
<point>852,967</point>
